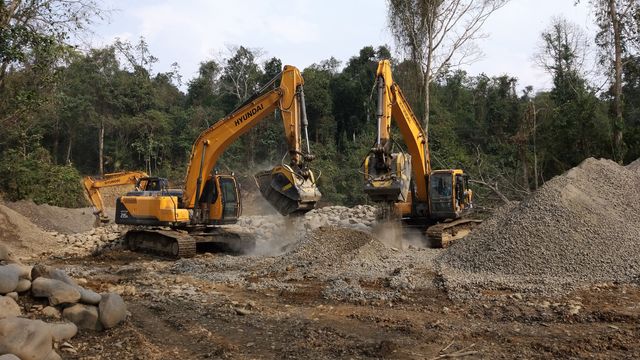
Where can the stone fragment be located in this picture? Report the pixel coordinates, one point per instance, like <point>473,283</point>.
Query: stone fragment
<point>84,316</point>
<point>51,312</point>
<point>112,310</point>
<point>13,295</point>
<point>57,291</point>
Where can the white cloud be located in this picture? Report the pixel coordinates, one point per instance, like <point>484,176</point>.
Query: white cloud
<point>301,32</point>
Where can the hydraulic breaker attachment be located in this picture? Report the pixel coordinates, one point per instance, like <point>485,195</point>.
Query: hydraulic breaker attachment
<point>387,179</point>
<point>288,191</point>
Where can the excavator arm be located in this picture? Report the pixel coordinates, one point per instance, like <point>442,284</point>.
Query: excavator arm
<point>211,200</point>
<point>434,195</point>
<point>93,185</point>
<point>388,174</point>
<point>288,97</point>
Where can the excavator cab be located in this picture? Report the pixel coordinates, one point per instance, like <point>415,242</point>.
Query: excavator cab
<point>220,200</point>
<point>450,194</point>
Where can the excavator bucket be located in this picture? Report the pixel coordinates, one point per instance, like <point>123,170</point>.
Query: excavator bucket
<point>388,183</point>
<point>287,191</point>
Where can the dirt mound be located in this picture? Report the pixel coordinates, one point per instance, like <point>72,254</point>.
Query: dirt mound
<point>53,218</point>
<point>21,235</point>
<point>579,227</point>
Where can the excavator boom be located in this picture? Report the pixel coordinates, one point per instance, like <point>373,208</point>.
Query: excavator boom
<point>92,186</point>
<point>288,97</point>
<point>210,199</point>
<point>405,182</point>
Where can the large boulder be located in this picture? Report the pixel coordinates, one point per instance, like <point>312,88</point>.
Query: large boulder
<point>112,310</point>
<point>86,296</point>
<point>9,357</point>
<point>9,277</point>
<point>24,271</point>
<point>9,307</point>
<point>84,316</point>
<point>57,291</point>
<point>32,339</point>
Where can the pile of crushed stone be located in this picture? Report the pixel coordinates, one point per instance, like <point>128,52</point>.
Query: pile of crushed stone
<point>53,218</point>
<point>580,227</point>
<point>635,165</point>
<point>332,246</point>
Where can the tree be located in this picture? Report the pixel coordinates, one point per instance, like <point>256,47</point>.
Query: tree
<point>29,27</point>
<point>438,35</point>
<point>576,126</point>
<point>618,35</point>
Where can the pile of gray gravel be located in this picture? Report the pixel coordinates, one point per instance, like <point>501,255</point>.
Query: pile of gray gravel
<point>635,165</point>
<point>333,246</point>
<point>580,227</point>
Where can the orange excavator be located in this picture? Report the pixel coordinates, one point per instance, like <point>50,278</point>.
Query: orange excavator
<point>92,186</point>
<point>404,183</point>
<point>172,221</point>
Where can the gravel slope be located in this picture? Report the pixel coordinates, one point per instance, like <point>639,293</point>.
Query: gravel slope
<point>580,227</point>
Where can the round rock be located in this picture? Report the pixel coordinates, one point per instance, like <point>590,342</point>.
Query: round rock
<point>112,310</point>
<point>51,312</point>
<point>84,316</point>
<point>57,291</point>
<point>23,285</point>
<point>9,307</point>
<point>9,278</point>
<point>89,297</point>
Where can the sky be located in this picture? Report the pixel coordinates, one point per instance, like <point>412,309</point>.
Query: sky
<point>303,32</point>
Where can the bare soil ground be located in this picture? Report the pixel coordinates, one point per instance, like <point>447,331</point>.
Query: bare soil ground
<point>180,315</point>
<point>339,292</point>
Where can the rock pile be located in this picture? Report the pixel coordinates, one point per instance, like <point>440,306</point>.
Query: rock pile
<point>578,228</point>
<point>97,239</point>
<point>33,339</point>
<point>275,233</point>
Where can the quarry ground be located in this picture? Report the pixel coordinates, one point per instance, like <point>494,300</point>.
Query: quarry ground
<point>182,316</point>
<point>554,276</point>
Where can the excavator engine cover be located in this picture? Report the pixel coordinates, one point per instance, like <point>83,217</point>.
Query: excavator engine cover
<point>287,191</point>
<point>391,184</point>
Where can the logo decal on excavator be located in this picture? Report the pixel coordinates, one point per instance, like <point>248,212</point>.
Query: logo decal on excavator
<point>248,114</point>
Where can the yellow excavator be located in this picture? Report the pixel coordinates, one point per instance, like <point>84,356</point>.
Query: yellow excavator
<point>172,221</point>
<point>92,186</point>
<point>404,183</point>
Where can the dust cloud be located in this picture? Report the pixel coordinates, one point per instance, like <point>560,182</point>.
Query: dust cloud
<point>393,234</point>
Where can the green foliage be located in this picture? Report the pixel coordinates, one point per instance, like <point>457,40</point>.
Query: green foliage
<point>34,177</point>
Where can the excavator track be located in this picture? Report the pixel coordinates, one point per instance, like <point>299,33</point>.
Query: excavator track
<point>177,244</point>
<point>444,234</point>
<point>229,239</point>
<point>166,243</point>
